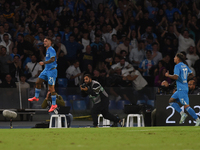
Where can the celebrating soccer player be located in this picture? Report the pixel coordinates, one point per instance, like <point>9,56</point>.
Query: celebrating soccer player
<point>48,74</point>
<point>181,71</point>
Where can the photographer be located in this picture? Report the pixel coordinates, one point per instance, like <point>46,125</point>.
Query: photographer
<point>100,99</point>
<point>60,102</point>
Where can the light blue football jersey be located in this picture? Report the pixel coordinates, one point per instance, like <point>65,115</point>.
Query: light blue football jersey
<point>182,70</point>
<point>51,53</point>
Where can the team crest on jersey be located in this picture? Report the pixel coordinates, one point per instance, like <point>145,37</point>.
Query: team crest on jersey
<point>47,55</point>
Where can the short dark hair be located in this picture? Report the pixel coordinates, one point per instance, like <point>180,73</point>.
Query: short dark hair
<point>149,51</point>
<point>87,75</point>
<point>5,34</point>
<point>48,38</point>
<point>21,35</point>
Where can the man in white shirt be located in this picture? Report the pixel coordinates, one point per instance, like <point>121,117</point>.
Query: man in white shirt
<point>7,43</point>
<point>184,40</point>
<point>34,68</point>
<point>85,41</point>
<point>113,42</point>
<point>124,46</point>
<point>137,54</point>
<point>73,73</point>
<point>110,32</point>
<point>123,65</point>
<point>192,56</point>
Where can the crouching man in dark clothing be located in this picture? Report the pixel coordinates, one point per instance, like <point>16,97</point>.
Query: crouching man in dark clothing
<point>100,98</point>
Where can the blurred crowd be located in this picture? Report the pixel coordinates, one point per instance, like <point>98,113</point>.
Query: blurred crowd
<point>121,43</point>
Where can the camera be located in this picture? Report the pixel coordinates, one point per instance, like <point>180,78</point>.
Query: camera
<point>84,85</point>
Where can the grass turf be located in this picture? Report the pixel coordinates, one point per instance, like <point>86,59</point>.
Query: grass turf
<point>148,138</point>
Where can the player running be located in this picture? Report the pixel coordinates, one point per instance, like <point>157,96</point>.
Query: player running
<point>48,74</point>
<point>181,71</point>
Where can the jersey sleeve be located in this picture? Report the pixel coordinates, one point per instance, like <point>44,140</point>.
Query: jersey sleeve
<point>52,53</point>
<point>176,70</point>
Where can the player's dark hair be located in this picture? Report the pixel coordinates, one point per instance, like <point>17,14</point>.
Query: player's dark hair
<point>48,38</point>
<point>87,75</point>
<point>181,57</point>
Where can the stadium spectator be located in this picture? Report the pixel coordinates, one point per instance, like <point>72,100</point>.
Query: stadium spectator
<point>6,42</point>
<point>170,11</point>
<point>193,88</point>
<point>114,42</point>
<point>73,48</point>
<point>184,40</point>
<point>8,82</point>
<point>34,69</point>
<point>85,40</point>
<point>147,33</point>
<point>87,58</point>
<point>2,32</point>
<point>156,55</point>
<point>62,65</point>
<point>137,54</point>
<point>58,46</point>
<point>191,55</point>
<point>16,68</point>
<point>23,46</point>
<point>124,46</point>
<point>73,74</point>
<point>5,61</point>
<point>138,83</point>
<point>107,55</point>
<point>22,82</point>
<point>146,64</point>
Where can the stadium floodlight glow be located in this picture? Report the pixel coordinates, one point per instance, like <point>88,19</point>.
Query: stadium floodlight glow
<point>11,115</point>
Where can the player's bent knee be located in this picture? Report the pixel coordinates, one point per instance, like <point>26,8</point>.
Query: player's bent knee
<point>186,106</point>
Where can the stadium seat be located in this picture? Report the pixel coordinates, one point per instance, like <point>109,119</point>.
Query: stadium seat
<point>141,102</point>
<point>68,103</point>
<point>73,97</point>
<point>64,97</point>
<point>79,105</point>
<point>150,102</point>
<point>112,104</point>
<point>121,103</point>
<point>62,82</point>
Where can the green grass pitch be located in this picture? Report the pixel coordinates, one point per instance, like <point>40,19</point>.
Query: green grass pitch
<point>144,138</point>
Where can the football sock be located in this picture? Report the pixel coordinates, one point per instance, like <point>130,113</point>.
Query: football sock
<point>53,97</point>
<point>176,107</point>
<point>191,112</point>
<point>37,92</point>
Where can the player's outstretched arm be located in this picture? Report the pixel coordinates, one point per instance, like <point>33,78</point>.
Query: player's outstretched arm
<point>174,77</point>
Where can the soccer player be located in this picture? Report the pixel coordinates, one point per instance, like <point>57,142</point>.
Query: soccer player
<point>100,98</point>
<point>181,71</point>
<point>48,74</point>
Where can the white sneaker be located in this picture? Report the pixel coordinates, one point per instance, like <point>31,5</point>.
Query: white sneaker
<point>197,122</point>
<point>183,117</point>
